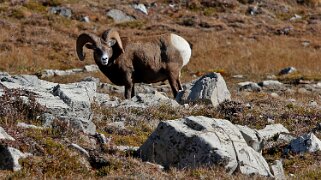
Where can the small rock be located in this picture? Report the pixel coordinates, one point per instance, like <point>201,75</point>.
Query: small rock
<point>303,91</point>
<point>160,167</point>
<point>278,171</point>
<point>62,11</point>
<point>290,91</point>
<point>102,138</point>
<point>284,30</point>
<point>1,92</point>
<point>249,86</point>
<point>295,17</point>
<point>141,7</point>
<point>127,148</point>
<point>270,84</point>
<point>254,10</point>
<point>119,124</point>
<point>270,121</point>
<point>271,77</point>
<point>287,70</point>
<point>248,105</point>
<point>305,143</point>
<point>47,119</point>
<point>119,16</point>
<point>272,130</point>
<point>9,159</point>
<point>291,100</point>
<point>274,95</point>
<point>287,138</point>
<point>313,104</point>
<point>91,68</point>
<point>306,43</point>
<point>28,126</point>
<point>4,135</point>
<point>239,76</point>
<point>85,19</point>
<point>80,149</point>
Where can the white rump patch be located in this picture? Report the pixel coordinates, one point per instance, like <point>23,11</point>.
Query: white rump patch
<point>182,46</point>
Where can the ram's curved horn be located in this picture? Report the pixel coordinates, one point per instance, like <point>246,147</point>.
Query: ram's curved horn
<point>83,39</point>
<point>112,34</point>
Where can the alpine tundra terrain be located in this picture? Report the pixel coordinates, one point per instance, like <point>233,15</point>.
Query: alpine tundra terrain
<point>250,105</point>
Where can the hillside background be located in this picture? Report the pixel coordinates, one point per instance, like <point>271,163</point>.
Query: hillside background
<point>253,39</point>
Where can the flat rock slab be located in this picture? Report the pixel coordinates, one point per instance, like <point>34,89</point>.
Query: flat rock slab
<point>4,135</point>
<point>197,141</point>
<point>69,102</point>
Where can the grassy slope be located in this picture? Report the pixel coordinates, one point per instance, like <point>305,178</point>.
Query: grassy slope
<point>32,40</point>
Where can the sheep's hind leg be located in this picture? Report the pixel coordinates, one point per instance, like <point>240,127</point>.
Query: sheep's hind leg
<point>128,91</point>
<point>179,85</point>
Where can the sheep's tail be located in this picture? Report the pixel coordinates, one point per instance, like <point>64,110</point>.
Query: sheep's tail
<point>183,47</point>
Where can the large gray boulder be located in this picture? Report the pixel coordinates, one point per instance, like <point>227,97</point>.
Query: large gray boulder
<point>209,88</point>
<point>68,102</point>
<point>9,159</point>
<point>198,141</point>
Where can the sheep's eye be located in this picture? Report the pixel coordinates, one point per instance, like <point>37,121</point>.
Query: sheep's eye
<point>90,46</point>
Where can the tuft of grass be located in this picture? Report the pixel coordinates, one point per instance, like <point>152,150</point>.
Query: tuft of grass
<point>14,108</point>
<point>35,6</point>
<point>18,13</point>
<point>136,24</point>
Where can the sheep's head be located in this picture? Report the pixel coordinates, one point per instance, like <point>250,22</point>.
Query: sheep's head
<point>105,47</point>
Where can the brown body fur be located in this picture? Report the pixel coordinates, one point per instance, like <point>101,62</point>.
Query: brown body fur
<point>147,60</point>
<point>144,60</point>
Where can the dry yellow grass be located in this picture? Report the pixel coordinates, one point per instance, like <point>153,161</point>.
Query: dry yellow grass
<point>41,41</point>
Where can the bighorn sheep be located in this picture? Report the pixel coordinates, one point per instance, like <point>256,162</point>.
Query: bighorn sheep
<point>146,60</point>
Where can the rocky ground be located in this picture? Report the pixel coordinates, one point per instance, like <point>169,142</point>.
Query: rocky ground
<point>259,118</point>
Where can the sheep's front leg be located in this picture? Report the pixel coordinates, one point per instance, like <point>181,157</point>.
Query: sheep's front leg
<point>133,91</point>
<point>175,84</point>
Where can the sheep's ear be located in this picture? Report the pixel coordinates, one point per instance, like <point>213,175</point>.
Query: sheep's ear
<point>90,46</point>
<point>111,43</point>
